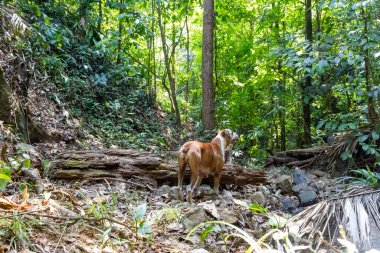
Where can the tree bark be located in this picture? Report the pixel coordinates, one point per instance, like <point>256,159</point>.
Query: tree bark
<point>130,163</point>
<point>372,114</point>
<point>168,69</point>
<point>208,91</point>
<point>306,109</point>
<point>12,113</point>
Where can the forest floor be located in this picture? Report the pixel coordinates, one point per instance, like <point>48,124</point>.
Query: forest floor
<point>137,215</point>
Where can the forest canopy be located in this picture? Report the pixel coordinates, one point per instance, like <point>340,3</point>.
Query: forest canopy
<point>286,74</point>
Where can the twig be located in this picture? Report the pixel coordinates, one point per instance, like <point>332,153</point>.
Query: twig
<point>124,181</point>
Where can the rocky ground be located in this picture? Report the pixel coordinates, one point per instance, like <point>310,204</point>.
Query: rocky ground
<point>137,215</point>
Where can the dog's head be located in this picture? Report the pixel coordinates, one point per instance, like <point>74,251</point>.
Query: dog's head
<point>229,136</point>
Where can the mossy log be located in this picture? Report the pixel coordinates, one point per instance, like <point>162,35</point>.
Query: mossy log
<point>128,163</point>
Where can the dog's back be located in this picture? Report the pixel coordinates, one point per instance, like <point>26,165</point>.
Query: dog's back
<point>201,157</point>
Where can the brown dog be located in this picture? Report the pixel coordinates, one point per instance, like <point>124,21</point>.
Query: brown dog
<point>203,158</point>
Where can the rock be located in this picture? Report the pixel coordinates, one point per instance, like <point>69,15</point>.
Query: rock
<point>258,197</point>
<point>236,195</point>
<point>199,251</point>
<point>299,177</point>
<point>195,216</point>
<point>301,187</point>
<point>227,195</point>
<point>206,189</point>
<point>229,216</point>
<point>174,226</point>
<point>318,173</point>
<point>223,203</point>
<point>307,197</point>
<point>290,205</point>
<point>284,182</point>
<point>210,208</point>
<point>165,189</point>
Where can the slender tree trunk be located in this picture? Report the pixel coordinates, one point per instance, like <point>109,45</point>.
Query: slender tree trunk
<point>187,61</point>
<point>306,109</point>
<point>121,10</point>
<point>168,69</point>
<point>154,56</point>
<point>372,114</point>
<point>282,100</point>
<point>100,17</point>
<point>208,91</point>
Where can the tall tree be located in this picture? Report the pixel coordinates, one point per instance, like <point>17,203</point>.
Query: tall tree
<point>306,85</point>
<point>208,91</point>
<point>169,70</point>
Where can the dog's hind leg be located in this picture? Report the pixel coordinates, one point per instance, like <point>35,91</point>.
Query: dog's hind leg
<point>182,163</point>
<point>217,177</point>
<point>196,180</point>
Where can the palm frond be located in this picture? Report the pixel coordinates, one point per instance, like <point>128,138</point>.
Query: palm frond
<point>354,210</point>
<point>13,20</point>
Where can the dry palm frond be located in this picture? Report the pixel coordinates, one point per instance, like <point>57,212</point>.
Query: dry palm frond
<point>353,211</point>
<point>13,21</point>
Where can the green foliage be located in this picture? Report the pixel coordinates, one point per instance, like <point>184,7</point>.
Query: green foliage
<point>363,177</point>
<point>142,226</point>
<point>107,67</point>
<point>12,165</point>
<point>257,208</point>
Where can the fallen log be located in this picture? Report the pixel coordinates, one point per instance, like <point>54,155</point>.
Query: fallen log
<point>129,163</point>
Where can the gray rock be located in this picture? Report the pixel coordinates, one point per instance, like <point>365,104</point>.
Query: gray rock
<point>290,205</point>
<point>199,251</point>
<point>258,197</point>
<point>206,189</point>
<point>165,189</point>
<point>307,197</point>
<point>229,216</point>
<point>195,216</point>
<point>302,187</point>
<point>299,177</point>
<point>284,183</point>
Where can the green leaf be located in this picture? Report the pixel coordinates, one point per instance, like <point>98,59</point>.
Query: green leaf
<point>257,208</point>
<point>342,127</point>
<point>353,126</point>
<point>206,232</point>
<point>27,163</point>
<point>346,155</point>
<point>364,146</point>
<point>145,227</point>
<point>363,138</point>
<point>121,16</point>
<point>375,135</point>
<point>320,124</point>
<point>321,66</point>
<point>5,177</point>
<point>139,211</point>
<point>6,170</point>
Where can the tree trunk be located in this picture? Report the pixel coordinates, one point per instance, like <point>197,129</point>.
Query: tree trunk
<point>120,39</point>
<point>372,114</point>
<point>168,69</point>
<point>12,113</point>
<point>130,163</point>
<point>306,109</point>
<point>187,61</point>
<point>208,91</point>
